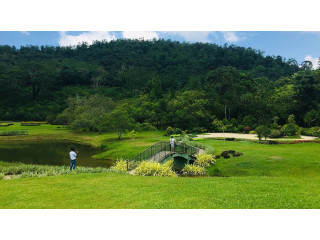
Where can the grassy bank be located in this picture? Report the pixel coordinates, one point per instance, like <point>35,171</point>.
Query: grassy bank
<point>265,176</point>
<point>114,148</point>
<point>266,160</point>
<point>113,190</point>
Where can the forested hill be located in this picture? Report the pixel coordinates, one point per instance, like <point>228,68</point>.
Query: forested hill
<point>37,81</point>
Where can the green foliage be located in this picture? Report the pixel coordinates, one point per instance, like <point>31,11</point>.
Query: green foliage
<point>118,120</point>
<point>290,129</point>
<point>13,133</point>
<point>314,131</point>
<point>23,171</point>
<point>148,168</point>
<point>169,164</point>
<point>252,132</point>
<point>169,130</point>
<point>262,131</point>
<point>275,133</point>
<point>204,160</point>
<point>197,139</point>
<point>177,131</point>
<point>191,170</point>
<point>120,165</point>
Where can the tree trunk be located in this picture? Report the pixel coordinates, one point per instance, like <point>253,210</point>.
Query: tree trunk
<point>225,111</point>
<point>119,135</point>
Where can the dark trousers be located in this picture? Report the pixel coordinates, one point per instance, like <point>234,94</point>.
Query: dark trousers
<point>73,164</point>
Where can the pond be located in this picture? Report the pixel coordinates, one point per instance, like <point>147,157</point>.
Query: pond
<point>50,153</point>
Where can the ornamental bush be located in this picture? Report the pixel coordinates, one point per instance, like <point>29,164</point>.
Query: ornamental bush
<point>204,160</point>
<point>193,170</point>
<point>120,165</point>
<point>148,168</point>
<point>169,130</point>
<point>275,133</point>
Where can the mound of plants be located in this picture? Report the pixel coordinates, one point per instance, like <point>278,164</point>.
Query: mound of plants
<point>192,170</point>
<point>122,165</point>
<point>29,124</point>
<point>204,160</point>
<point>148,168</point>
<point>24,171</point>
<point>13,133</point>
<point>225,154</point>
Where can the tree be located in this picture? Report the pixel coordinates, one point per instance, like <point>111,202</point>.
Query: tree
<point>83,112</point>
<point>306,65</point>
<point>262,131</point>
<point>119,120</point>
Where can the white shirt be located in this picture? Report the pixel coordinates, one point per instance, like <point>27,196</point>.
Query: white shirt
<point>172,141</point>
<point>73,155</point>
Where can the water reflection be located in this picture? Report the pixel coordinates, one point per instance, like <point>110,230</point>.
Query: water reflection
<point>50,153</point>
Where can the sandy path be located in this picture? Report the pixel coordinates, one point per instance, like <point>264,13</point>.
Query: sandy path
<point>248,136</point>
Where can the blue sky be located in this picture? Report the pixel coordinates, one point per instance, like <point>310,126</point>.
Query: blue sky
<point>289,44</point>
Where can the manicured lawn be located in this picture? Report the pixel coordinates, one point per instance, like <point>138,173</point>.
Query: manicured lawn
<point>301,159</point>
<point>112,190</point>
<point>265,176</point>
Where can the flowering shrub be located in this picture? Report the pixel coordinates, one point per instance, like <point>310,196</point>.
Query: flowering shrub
<point>193,170</point>
<point>204,160</point>
<point>148,168</point>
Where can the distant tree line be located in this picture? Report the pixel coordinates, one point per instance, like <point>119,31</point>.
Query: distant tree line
<point>156,83</point>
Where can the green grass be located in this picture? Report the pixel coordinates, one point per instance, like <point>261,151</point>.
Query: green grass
<point>113,190</point>
<point>265,176</point>
<point>266,160</point>
<point>125,148</point>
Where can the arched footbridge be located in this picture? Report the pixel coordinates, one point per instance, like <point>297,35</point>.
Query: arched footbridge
<point>161,152</point>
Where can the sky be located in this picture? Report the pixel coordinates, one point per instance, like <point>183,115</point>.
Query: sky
<point>300,45</point>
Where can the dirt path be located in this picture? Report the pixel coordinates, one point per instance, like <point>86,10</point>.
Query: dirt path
<point>248,136</point>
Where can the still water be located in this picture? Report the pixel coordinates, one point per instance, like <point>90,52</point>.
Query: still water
<point>50,153</point>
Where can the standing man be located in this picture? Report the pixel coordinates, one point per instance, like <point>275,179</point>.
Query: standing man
<point>172,143</point>
<point>73,157</point>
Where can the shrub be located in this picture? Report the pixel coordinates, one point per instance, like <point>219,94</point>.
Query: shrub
<point>148,168</point>
<point>50,118</point>
<point>199,130</point>
<point>197,139</point>
<point>29,124</point>
<point>204,160</point>
<point>148,127</point>
<point>314,131</point>
<point>193,170</point>
<point>252,132</point>
<point>246,129</point>
<point>177,131</point>
<point>262,131</point>
<point>169,130</point>
<point>120,165</point>
<point>43,170</point>
<point>13,133</point>
<point>169,164</point>
<point>290,129</point>
<point>275,133</point>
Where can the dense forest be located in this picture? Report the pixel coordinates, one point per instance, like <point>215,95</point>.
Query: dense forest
<point>157,83</point>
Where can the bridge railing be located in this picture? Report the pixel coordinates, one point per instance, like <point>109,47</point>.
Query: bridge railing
<point>161,150</point>
<point>151,151</point>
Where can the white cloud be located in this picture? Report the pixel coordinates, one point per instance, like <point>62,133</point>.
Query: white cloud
<point>26,33</point>
<point>231,37</point>
<point>193,36</point>
<point>146,35</point>
<point>89,37</point>
<point>315,61</point>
